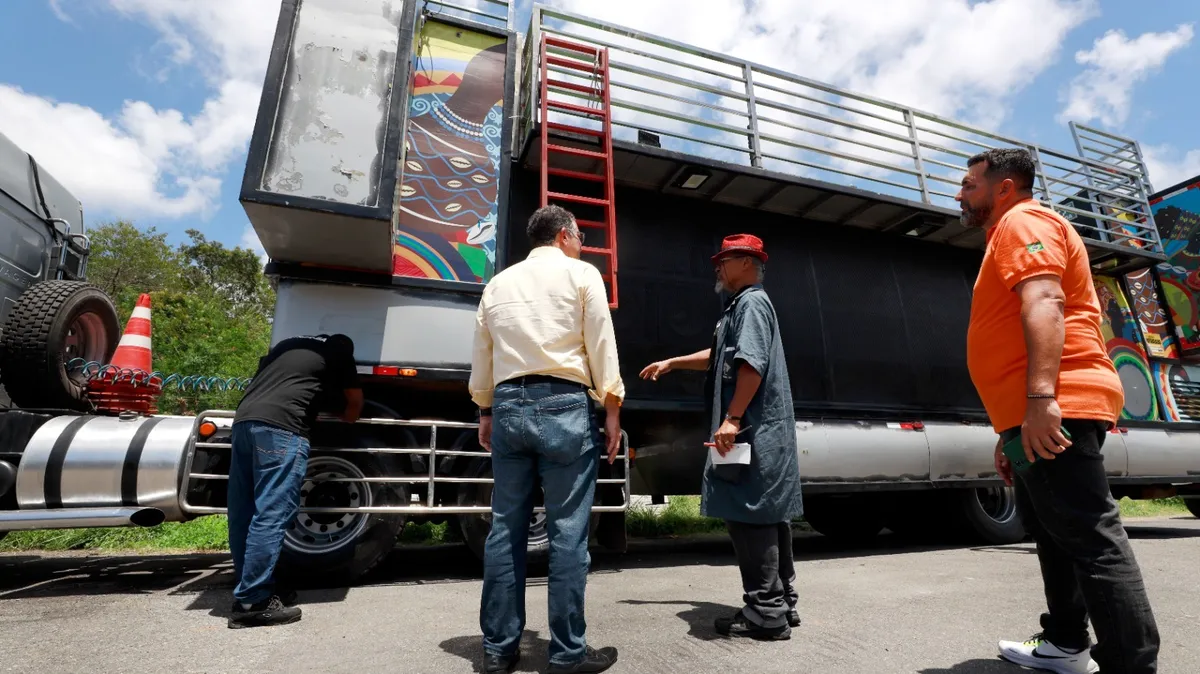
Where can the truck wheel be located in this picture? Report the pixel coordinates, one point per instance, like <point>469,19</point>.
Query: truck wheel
<point>476,527</point>
<point>850,519</point>
<point>990,515</point>
<point>338,548</point>
<point>1193,505</point>
<point>53,323</point>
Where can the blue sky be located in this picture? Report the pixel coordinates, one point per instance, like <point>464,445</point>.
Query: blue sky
<point>144,107</point>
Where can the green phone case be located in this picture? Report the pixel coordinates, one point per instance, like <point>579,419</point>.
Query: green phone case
<point>1015,451</point>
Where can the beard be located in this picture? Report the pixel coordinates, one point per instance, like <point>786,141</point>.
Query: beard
<point>720,287</point>
<point>975,217</point>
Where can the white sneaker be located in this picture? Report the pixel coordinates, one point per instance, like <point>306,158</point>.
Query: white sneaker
<point>1038,653</point>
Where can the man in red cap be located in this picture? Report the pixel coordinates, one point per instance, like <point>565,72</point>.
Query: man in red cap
<point>749,400</point>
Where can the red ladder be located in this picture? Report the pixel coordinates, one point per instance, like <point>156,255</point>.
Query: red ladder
<point>590,64</point>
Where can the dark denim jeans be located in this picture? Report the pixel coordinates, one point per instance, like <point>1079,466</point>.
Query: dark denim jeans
<point>265,475</point>
<point>546,430</point>
<point>1088,567</point>
<point>764,554</point>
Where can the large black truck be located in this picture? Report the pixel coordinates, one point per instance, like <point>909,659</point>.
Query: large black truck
<point>401,146</point>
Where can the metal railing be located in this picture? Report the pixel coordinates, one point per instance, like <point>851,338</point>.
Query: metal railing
<point>432,453</point>
<point>496,13</point>
<point>716,106</point>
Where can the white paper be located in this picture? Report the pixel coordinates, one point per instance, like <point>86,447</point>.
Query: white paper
<point>740,453</point>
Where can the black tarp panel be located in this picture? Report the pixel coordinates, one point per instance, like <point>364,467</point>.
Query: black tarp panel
<point>870,322</point>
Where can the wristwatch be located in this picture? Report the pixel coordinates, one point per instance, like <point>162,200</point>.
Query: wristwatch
<point>485,412</point>
<point>730,417</point>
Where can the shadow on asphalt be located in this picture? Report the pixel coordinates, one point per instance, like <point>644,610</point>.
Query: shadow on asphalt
<point>996,666</point>
<point>535,651</point>
<point>699,615</point>
<point>208,577</point>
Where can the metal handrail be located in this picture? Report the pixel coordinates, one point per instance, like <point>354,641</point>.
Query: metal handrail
<point>433,452</point>
<point>718,106</point>
<point>489,12</point>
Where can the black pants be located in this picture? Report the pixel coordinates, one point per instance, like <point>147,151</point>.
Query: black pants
<point>764,555</point>
<point>1088,567</point>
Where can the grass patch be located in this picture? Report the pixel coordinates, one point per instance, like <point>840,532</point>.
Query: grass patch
<point>681,517</point>
<point>203,534</point>
<point>1163,507</point>
<point>428,533</point>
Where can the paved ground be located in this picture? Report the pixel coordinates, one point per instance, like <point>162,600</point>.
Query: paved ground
<point>883,609</point>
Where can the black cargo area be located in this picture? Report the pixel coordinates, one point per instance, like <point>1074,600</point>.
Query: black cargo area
<point>871,322</point>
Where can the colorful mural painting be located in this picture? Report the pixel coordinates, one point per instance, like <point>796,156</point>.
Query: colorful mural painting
<point>1178,388</point>
<point>1125,348</point>
<point>1151,317</point>
<point>448,196</point>
<point>1177,216</point>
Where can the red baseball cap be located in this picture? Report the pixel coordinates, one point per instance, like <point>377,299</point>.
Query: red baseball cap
<point>741,244</point>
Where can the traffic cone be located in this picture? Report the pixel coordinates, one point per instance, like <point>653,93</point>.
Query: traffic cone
<point>126,384</point>
<point>133,352</point>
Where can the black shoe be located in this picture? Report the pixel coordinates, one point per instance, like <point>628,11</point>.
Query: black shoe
<point>263,614</point>
<point>739,626</point>
<point>500,664</point>
<point>793,618</point>
<point>287,595</point>
<point>593,661</point>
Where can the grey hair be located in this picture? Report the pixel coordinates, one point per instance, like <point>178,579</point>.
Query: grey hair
<point>760,268</point>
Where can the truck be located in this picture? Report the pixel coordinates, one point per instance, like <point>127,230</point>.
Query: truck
<point>401,144</point>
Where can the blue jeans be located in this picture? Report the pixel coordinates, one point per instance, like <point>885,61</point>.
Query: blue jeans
<point>265,474</point>
<point>546,430</point>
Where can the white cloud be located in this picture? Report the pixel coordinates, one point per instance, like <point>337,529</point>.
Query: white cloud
<point>146,161</point>
<point>1114,65</point>
<point>1168,166</point>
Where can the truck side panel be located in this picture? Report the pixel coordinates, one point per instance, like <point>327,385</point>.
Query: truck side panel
<point>401,326</point>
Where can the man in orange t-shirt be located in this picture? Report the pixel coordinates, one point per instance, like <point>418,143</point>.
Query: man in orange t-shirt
<point>1037,358</point>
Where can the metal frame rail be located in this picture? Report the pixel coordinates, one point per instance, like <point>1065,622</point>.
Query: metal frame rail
<point>432,452</point>
<point>496,13</point>
<point>712,105</point>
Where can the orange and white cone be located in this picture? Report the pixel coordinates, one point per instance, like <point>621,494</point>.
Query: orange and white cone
<point>133,352</point>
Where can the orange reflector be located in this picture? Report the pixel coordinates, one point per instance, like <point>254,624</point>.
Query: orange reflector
<point>393,371</point>
<point>207,429</point>
<point>632,454</point>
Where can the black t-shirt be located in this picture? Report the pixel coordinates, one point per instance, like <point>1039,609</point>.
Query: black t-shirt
<point>300,377</point>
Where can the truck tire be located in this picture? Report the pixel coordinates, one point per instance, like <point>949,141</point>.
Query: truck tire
<point>52,323</point>
<point>475,528</point>
<point>989,515</point>
<point>337,549</point>
<point>1193,505</point>
<point>850,519</point>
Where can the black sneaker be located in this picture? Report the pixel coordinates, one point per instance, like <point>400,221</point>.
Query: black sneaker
<point>263,614</point>
<point>793,618</point>
<point>287,595</point>
<point>593,661</point>
<point>740,626</point>
<point>500,664</point>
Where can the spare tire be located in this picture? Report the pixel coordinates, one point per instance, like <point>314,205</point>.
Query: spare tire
<point>53,323</point>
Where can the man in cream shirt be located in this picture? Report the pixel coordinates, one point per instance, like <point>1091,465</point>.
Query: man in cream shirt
<point>544,349</point>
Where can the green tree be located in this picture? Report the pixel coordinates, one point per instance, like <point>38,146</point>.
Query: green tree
<point>232,274</point>
<point>210,308</point>
<point>128,261</point>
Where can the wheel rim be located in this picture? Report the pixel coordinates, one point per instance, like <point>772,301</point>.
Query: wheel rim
<point>538,534</point>
<point>998,503</point>
<point>322,533</point>
<point>86,339</point>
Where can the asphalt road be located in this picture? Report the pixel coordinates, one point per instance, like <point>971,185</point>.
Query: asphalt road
<point>890,607</point>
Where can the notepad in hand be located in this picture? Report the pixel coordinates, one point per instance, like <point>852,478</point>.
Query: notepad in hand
<point>739,453</point>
